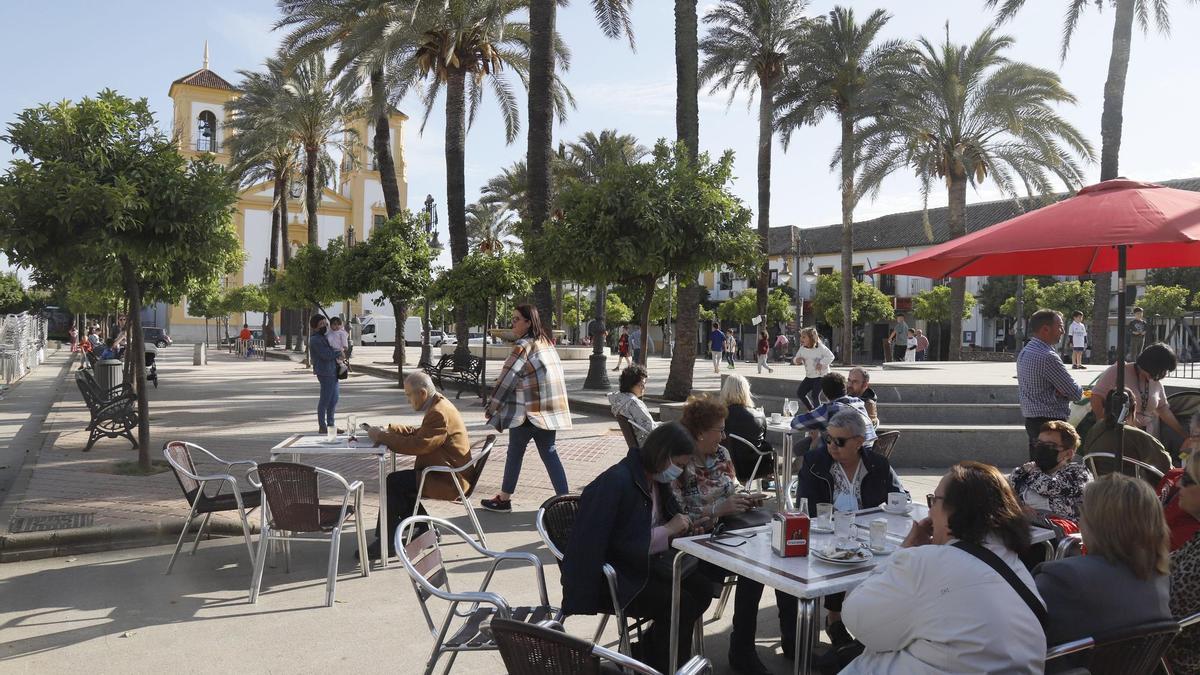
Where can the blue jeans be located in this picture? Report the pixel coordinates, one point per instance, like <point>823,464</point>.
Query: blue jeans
<point>518,440</point>
<point>327,404</point>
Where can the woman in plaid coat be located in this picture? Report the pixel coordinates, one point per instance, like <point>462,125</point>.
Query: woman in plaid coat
<point>530,400</point>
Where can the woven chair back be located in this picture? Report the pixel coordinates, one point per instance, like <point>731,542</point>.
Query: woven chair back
<point>291,493</point>
<point>529,649</point>
<point>178,451</point>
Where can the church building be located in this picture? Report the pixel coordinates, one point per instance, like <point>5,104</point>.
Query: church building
<point>200,124</point>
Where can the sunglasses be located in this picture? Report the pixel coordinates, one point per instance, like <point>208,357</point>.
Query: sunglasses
<point>721,530</point>
<point>833,440</point>
<point>1043,445</point>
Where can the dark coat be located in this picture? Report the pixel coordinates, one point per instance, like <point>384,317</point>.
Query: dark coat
<point>324,357</point>
<point>816,479</point>
<point>741,422</point>
<point>612,526</point>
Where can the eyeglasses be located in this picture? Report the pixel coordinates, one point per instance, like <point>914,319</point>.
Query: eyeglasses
<point>1043,444</point>
<point>1187,480</point>
<point>721,531</point>
<point>720,430</point>
<point>930,499</point>
<point>834,440</point>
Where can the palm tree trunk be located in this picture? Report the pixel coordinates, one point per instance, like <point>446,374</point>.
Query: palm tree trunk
<point>456,193</point>
<point>312,193</point>
<point>847,162</point>
<point>278,196</point>
<point>285,243</point>
<point>766,116</point>
<point>383,146</point>
<point>1110,150</point>
<point>687,130</point>
<point>542,16</point>
<point>957,214</point>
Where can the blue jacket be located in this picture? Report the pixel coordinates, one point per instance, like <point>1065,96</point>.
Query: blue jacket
<point>324,357</point>
<point>816,479</point>
<point>612,526</point>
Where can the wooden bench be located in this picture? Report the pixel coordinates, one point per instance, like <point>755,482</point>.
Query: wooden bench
<point>447,370</point>
<point>113,412</point>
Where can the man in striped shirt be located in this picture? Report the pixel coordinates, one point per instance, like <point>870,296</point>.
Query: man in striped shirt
<point>1044,386</point>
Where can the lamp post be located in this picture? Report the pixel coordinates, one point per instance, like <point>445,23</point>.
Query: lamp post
<point>350,242</point>
<point>432,236</point>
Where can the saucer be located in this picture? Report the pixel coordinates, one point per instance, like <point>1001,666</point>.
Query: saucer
<point>820,530</point>
<point>888,549</point>
<point>903,511</point>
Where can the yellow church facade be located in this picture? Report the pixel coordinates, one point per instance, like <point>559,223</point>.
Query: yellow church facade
<point>201,126</point>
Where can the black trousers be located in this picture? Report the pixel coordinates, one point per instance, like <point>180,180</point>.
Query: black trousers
<point>900,349</point>
<point>809,392</point>
<point>402,495</point>
<point>1033,427</point>
<point>654,602</point>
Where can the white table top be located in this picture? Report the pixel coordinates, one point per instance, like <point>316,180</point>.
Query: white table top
<point>315,444</point>
<point>806,577</point>
<point>784,426</point>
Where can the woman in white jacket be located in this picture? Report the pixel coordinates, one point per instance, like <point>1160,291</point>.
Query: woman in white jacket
<point>939,606</point>
<point>816,359</point>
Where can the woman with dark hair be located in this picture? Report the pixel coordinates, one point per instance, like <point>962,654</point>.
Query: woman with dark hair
<point>1127,557</point>
<point>956,598</point>
<point>628,402</point>
<point>1143,377</point>
<point>530,400</point>
<point>324,365</point>
<point>626,518</point>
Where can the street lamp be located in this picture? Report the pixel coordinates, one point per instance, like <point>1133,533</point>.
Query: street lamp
<point>432,236</point>
<point>350,242</point>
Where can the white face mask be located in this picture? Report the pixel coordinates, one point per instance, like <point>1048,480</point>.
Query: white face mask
<point>668,474</point>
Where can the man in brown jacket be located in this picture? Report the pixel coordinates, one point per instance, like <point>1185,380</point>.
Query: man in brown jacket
<point>441,440</point>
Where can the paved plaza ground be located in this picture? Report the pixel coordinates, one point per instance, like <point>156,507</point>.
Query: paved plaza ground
<point>115,611</point>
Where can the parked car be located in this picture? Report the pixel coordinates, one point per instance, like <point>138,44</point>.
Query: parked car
<point>437,338</point>
<point>155,336</point>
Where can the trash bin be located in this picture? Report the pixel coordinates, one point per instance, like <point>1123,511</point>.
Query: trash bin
<point>109,373</point>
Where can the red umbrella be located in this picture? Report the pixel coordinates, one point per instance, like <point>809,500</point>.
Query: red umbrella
<point>1113,226</point>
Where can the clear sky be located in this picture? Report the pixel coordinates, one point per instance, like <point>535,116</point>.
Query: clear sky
<point>72,48</point>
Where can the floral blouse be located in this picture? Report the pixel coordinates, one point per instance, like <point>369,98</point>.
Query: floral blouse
<point>1059,493</point>
<point>1184,652</point>
<point>699,487</point>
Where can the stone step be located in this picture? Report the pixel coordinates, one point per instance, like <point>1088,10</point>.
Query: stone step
<point>768,387</point>
<point>930,413</point>
<point>935,445</point>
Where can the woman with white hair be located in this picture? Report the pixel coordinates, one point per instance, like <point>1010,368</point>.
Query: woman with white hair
<point>744,421</point>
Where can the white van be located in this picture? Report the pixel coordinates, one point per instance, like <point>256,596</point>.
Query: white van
<point>412,330</point>
<point>376,329</point>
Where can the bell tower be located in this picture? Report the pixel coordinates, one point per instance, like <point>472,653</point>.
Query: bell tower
<point>200,120</point>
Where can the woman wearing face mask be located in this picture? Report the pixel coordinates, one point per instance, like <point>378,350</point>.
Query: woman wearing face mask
<point>1052,485</point>
<point>324,365</point>
<point>1143,378</point>
<point>626,518</point>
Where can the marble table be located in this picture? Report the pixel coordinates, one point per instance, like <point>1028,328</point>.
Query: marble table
<point>806,578</point>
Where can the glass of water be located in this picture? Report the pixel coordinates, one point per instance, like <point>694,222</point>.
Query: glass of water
<point>843,528</point>
<point>352,426</point>
<point>825,516</point>
<point>331,432</point>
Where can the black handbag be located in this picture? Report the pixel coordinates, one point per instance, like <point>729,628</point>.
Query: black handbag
<point>343,371</point>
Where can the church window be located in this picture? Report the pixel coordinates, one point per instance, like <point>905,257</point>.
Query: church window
<point>206,132</point>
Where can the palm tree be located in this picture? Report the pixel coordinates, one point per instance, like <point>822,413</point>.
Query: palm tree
<point>613,17</point>
<point>357,29</point>
<point>262,149</point>
<point>840,70</point>
<point>687,130</point>
<point>316,118</point>
<point>746,48</point>
<point>967,113</point>
<point>463,47</point>
<point>586,158</point>
<point>490,228</point>
<point>1111,117</point>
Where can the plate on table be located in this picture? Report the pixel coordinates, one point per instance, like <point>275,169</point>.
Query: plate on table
<point>888,549</point>
<point>902,511</point>
<point>852,557</point>
<point>336,441</point>
<point>820,530</point>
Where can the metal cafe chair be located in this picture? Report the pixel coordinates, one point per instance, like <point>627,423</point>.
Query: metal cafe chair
<point>195,485</point>
<point>472,470</point>
<point>460,630</point>
<point>294,512</point>
<point>554,521</point>
<point>544,649</point>
<point>1127,651</point>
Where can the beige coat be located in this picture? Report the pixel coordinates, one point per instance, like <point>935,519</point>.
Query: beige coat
<point>441,440</point>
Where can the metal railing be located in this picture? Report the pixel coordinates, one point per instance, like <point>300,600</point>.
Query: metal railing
<point>1182,334</point>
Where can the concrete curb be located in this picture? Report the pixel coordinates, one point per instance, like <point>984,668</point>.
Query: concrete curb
<point>55,543</point>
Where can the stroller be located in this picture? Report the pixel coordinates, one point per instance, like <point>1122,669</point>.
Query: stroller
<point>151,368</point>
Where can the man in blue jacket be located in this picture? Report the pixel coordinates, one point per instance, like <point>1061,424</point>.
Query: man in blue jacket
<point>324,364</point>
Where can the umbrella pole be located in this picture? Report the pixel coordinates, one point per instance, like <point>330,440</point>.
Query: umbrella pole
<point>1120,389</point>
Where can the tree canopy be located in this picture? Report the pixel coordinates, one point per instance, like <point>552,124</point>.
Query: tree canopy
<point>934,305</point>
<point>870,304</point>
<point>744,307</point>
<point>1165,301</point>
<point>481,278</point>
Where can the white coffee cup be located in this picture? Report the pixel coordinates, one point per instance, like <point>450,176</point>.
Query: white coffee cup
<point>898,501</point>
